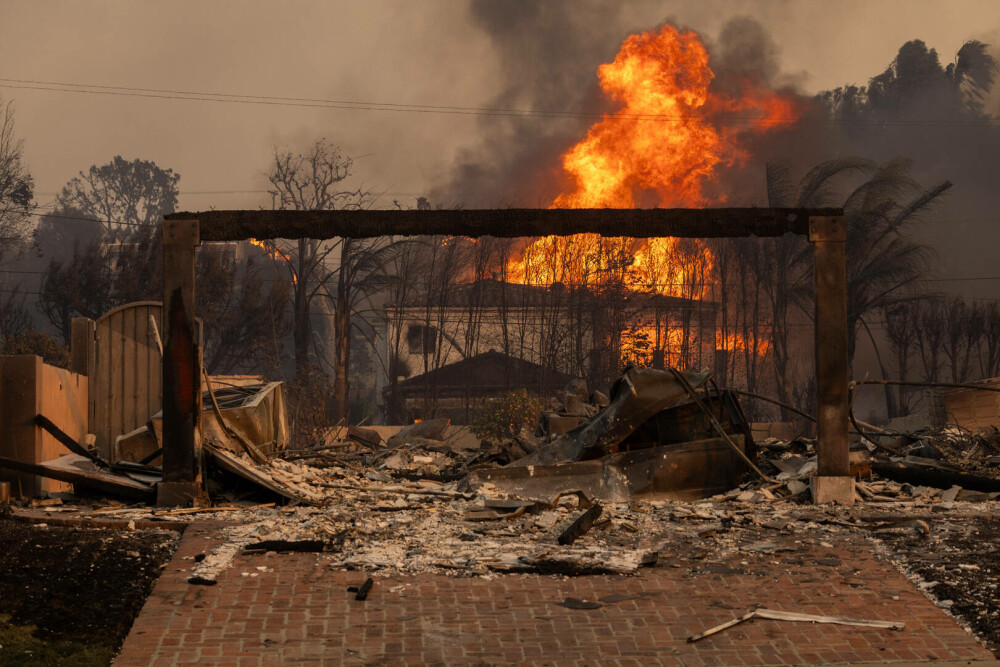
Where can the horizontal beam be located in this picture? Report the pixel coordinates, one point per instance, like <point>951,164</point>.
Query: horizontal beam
<point>507,223</point>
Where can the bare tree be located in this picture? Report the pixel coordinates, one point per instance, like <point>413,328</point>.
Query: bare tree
<point>14,318</point>
<point>243,319</point>
<point>16,186</point>
<point>929,324</point>
<point>404,268</point>
<point>315,181</point>
<point>310,181</point>
<point>80,285</point>
<point>989,344</point>
<point>901,330</point>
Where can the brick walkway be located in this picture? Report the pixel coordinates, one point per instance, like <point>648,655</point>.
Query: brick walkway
<point>300,613</point>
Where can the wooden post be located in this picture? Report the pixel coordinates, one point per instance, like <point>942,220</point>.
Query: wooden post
<point>833,481</point>
<point>82,345</point>
<point>182,482</point>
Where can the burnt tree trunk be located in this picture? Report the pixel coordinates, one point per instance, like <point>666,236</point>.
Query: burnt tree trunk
<point>302,323</point>
<point>342,338</point>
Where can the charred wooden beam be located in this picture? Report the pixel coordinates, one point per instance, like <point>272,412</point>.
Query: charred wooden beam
<point>583,523</point>
<point>67,441</point>
<point>288,546</point>
<point>833,481</point>
<point>364,589</point>
<point>506,223</point>
<point>182,482</point>
<point>908,473</point>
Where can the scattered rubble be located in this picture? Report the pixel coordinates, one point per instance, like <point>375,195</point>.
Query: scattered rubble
<point>607,484</point>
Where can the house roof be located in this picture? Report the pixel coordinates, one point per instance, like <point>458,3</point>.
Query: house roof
<point>485,374</point>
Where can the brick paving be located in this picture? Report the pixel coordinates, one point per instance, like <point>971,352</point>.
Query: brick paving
<point>301,614</point>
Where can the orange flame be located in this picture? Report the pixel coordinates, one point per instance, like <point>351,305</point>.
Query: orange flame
<point>275,253</point>
<point>662,146</point>
<point>662,138</point>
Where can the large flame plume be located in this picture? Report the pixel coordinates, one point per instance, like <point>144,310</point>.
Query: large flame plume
<point>661,147</point>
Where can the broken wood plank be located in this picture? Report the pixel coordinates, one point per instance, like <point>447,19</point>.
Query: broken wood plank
<point>80,471</point>
<point>231,463</point>
<point>492,514</point>
<point>719,628</point>
<point>397,489</point>
<point>202,510</point>
<point>367,436</point>
<point>582,524</point>
<point>775,615</point>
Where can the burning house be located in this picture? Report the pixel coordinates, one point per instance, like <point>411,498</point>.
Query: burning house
<point>545,335</point>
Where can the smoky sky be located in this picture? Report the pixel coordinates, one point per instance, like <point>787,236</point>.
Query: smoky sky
<point>476,53</point>
<point>549,53</point>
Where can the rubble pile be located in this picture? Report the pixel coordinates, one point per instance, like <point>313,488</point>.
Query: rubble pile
<point>568,408</point>
<point>418,451</point>
<point>977,453</point>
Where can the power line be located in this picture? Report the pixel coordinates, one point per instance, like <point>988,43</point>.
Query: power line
<point>273,100</point>
<point>159,93</point>
<point>188,193</point>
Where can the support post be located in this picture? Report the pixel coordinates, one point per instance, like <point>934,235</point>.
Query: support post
<point>182,482</point>
<point>81,347</point>
<point>833,481</point>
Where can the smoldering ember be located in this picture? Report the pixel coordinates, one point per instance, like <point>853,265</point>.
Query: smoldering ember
<point>499,333</point>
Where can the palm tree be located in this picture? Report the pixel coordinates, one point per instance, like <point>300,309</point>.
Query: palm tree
<point>782,265</point>
<point>883,264</point>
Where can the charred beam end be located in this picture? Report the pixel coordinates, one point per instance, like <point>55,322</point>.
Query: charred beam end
<point>362,592</point>
<point>583,523</point>
<point>505,223</point>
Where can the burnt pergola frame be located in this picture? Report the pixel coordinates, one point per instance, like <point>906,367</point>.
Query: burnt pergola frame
<point>182,232</point>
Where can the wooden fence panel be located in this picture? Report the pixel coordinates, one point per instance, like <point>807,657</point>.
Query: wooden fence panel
<point>125,388</point>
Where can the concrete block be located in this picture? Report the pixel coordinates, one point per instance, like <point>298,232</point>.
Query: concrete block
<point>833,489</point>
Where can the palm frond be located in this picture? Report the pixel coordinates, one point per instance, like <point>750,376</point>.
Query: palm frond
<point>814,189</point>
<point>920,204</point>
<point>779,185</point>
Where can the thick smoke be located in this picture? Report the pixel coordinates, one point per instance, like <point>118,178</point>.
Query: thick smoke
<point>548,54</point>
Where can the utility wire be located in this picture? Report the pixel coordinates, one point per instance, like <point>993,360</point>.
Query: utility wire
<point>273,100</point>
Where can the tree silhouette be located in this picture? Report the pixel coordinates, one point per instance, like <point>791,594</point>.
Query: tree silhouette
<point>16,186</point>
<point>124,196</point>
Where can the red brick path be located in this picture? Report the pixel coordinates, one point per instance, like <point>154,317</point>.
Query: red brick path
<point>301,614</point>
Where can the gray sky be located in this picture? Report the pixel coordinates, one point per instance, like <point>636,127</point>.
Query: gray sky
<point>404,52</point>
